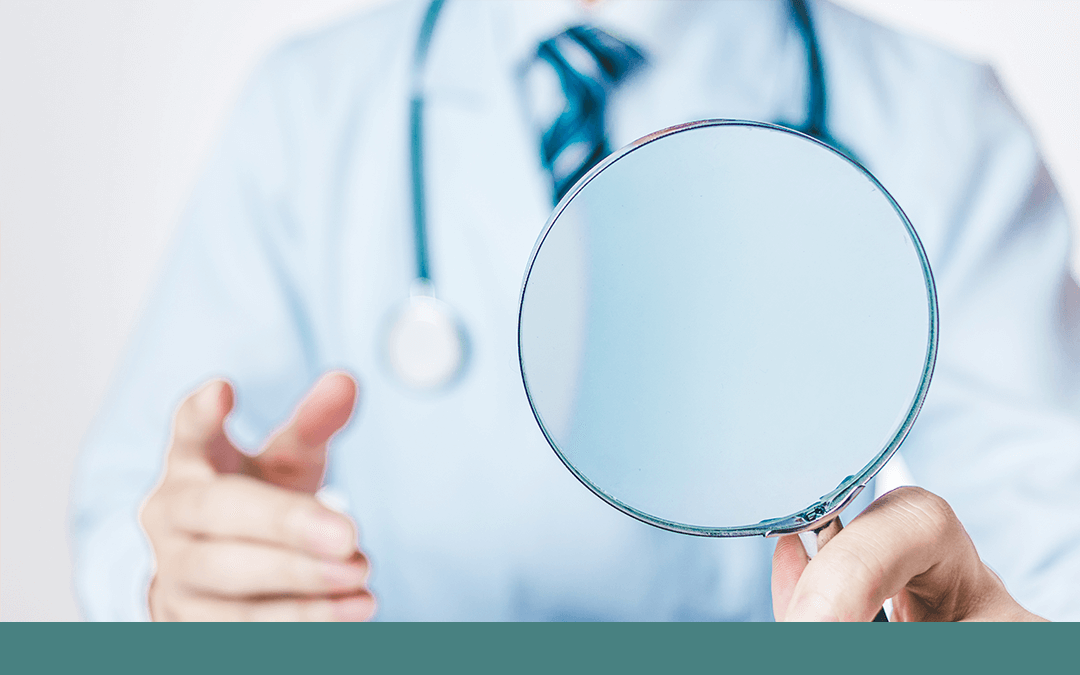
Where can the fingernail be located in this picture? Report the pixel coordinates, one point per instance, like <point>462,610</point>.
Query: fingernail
<point>343,577</point>
<point>329,535</point>
<point>356,608</point>
<point>811,607</point>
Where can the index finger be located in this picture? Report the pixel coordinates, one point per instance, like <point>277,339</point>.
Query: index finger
<point>295,457</point>
<point>240,507</point>
<point>904,534</point>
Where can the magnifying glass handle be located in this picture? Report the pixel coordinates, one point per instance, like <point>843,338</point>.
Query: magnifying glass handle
<point>822,536</point>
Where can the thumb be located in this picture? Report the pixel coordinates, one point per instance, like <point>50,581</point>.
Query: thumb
<point>295,457</point>
<point>199,443</point>
<point>788,562</point>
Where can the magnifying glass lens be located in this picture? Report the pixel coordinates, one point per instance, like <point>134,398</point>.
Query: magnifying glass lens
<point>724,325</point>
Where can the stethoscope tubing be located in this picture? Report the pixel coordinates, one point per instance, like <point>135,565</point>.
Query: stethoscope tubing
<point>814,125</point>
<point>416,138</point>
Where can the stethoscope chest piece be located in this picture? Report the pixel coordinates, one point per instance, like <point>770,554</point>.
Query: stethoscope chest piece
<point>426,345</point>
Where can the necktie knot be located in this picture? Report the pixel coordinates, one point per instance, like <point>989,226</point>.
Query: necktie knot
<point>588,63</point>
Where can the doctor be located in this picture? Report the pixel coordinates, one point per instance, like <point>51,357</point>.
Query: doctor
<point>300,247</point>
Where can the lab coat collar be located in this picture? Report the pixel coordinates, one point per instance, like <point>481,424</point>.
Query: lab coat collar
<point>735,48</point>
<point>650,25</point>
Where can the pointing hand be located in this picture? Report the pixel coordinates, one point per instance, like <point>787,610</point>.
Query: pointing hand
<point>243,538</point>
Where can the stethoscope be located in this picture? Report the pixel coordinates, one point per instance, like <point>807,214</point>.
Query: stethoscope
<point>427,345</point>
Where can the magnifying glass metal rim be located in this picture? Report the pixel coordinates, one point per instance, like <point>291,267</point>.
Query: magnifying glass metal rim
<point>828,506</point>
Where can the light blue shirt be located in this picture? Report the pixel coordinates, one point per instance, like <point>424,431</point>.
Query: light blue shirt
<point>297,248</point>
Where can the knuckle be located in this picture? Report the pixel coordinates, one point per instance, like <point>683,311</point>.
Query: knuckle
<point>157,514</point>
<point>365,565</point>
<point>263,510</point>
<point>291,519</point>
<point>935,517</point>
<point>353,530</point>
<point>299,573</point>
<point>185,565</point>
<point>217,500</point>
<point>862,567</point>
<point>200,567</point>
<point>225,564</point>
<point>372,607</point>
<point>366,606</point>
<point>226,568</point>
<point>185,509</point>
<point>239,495</point>
<point>150,513</point>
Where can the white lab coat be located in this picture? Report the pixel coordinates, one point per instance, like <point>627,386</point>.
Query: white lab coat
<point>297,247</point>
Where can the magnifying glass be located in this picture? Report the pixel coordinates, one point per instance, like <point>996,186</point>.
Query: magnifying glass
<point>726,329</point>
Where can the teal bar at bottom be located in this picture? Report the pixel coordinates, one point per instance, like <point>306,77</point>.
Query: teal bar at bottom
<point>538,648</point>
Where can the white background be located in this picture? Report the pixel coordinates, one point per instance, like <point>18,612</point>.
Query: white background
<point>107,110</point>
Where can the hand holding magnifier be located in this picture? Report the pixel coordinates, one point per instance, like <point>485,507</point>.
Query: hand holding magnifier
<point>726,329</point>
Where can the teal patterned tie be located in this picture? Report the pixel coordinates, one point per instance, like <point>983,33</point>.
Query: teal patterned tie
<point>589,64</point>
